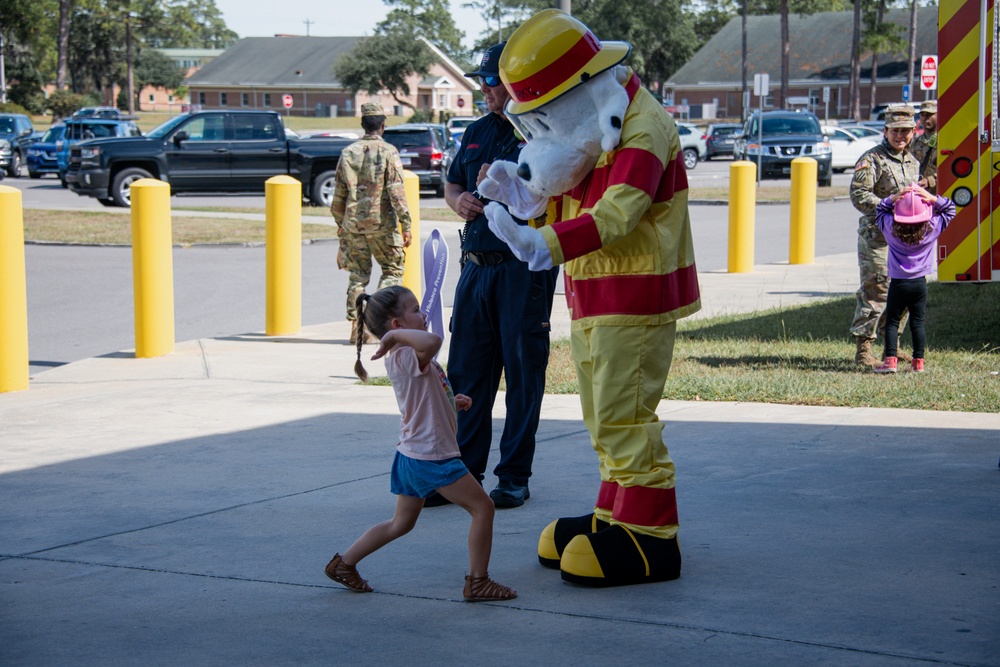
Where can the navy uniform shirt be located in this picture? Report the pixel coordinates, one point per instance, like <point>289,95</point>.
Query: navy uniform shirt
<point>488,139</point>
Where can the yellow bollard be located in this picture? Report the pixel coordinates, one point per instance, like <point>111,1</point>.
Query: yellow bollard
<point>13,294</point>
<point>152,268</point>
<point>283,196</point>
<point>742,199</point>
<point>802,235</point>
<point>412,278</point>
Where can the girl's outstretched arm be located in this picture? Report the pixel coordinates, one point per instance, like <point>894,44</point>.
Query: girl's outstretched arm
<point>424,343</point>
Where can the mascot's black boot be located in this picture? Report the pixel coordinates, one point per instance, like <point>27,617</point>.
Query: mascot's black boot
<point>616,556</point>
<point>558,534</point>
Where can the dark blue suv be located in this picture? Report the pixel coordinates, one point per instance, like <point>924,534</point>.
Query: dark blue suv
<point>83,129</point>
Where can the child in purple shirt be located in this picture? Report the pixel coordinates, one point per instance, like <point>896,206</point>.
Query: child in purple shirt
<point>911,220</point>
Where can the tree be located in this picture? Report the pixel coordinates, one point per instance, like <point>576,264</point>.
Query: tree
<point>880,37</point>
<point>504,16</point>
<point>660,32</point>
<point>190,24</point>
<point>62,44</point>
<point>383,63</point>
<point>913,45</point>
<point>430,19</point>
<point>854,84</point>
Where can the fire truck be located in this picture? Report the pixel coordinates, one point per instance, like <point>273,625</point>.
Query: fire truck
<point>969,139</point>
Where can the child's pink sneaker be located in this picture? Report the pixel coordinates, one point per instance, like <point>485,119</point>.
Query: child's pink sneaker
<point>917,365</point>
<point>888,366</point>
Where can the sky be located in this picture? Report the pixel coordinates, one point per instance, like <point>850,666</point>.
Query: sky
<point>329,18</point>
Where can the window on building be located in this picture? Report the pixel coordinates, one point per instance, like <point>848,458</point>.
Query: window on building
<point>246,99</point>
<point>769,102</point>
<point>442,101</point>
<point>170,99</point>
<point>814,97</point>
<point>152,97</point>
<point>267,100</point>
<point>201,99</point>
<point>223,99</point>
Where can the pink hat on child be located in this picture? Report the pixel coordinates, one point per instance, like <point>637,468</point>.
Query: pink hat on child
<point>911,209</point>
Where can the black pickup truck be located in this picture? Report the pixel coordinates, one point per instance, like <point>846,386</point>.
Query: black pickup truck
<point>209,152</point>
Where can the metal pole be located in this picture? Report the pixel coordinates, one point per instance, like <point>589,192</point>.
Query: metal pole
<point>3,77</point>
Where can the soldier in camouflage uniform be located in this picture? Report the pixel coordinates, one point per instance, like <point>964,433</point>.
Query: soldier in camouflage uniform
<point>879,173</point>
<point>368,200</point>
<point>924,147</point>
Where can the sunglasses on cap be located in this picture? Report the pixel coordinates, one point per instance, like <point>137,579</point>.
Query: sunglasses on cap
<point>491,81</point>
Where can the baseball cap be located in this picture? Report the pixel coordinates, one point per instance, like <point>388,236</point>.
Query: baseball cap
<point>900,117</point>
<point>911,209</point>
<point>490,64</point>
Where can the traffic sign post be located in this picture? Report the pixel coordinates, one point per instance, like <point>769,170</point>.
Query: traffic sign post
<point>928,72</point>
<point>287,100</point>
<point>906,93</point>
<point>761,86</point>
<point>461,102</point>
<point>826,103</point>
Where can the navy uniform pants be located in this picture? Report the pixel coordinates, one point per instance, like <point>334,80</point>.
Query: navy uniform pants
<point>500,323</point>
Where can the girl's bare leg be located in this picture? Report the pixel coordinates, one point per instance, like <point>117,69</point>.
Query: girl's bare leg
<point>470,496</point>
<point>407,510</point>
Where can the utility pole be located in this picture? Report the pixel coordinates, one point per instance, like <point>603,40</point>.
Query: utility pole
<point>3,77</point>
<point>565,6</point>
<point>308,23</point>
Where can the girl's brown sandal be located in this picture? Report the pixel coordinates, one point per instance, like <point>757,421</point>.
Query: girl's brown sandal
<point>347,575</point>
<point>484,589</point>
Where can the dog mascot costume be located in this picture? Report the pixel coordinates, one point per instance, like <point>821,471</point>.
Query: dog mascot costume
<point>603,159</point>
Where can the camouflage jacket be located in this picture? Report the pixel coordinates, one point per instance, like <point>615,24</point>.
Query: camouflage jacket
<point>369,195</point>
<point>924,148</point>
<point>881,172</point>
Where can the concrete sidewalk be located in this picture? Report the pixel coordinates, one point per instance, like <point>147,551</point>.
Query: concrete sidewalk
<point>180,510</point>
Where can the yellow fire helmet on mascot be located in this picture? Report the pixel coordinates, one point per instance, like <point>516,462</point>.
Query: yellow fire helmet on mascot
<point>551,54</point>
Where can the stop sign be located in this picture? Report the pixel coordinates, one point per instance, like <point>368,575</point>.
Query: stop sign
<point>461,102</point>
<point>287,101</point>
<point>928,72</point>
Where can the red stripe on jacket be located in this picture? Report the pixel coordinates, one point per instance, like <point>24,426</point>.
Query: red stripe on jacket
<point>632,294</point>
<point>578,236</point>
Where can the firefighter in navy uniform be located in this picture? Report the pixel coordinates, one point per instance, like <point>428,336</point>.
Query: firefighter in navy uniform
<point>500,322</point>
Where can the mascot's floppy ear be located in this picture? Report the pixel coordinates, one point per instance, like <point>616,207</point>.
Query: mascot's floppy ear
<point>608,94</point>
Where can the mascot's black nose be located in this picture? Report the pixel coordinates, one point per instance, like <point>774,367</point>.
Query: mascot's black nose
<point>524,171</point>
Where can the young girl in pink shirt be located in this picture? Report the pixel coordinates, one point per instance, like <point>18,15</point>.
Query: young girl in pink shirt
<point>427,456</point>
<point>911,220</point>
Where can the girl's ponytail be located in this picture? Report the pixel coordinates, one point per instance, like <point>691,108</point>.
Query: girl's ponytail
<point>359,368</point>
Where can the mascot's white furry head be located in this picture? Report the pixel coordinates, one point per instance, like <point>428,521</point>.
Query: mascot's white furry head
<point>567,99</point>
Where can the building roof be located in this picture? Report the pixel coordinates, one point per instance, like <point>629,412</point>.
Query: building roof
<point>274,61</point>
<point>820,49</point>
<point>288,61</point>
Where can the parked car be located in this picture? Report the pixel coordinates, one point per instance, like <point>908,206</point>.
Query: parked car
<point>864,131</point>
<point>457,124</point>
<point>426,149</point>
<point>85,128</point>
<point>41,157</point>
<point>878,111</point>
<point>692,143</point>
<point>16,135</point>
<point>100,112</point>
<point>785,135</point>
<point>719,139</point>
<point>846,148</point>
<point>205,151</point>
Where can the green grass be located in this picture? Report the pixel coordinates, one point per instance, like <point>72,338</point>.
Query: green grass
<point>803,356</point>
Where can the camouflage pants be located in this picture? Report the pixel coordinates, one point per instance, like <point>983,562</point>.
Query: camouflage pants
<point>355,255</point>
<point>869,313</point>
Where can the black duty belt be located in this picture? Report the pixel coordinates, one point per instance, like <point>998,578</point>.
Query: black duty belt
<point>488,258</point>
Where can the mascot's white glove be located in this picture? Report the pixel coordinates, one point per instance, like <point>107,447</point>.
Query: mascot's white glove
<point>503,184</point>
<point>527,243</point>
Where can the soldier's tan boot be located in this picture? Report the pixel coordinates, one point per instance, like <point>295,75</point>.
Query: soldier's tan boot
<point>864,356</point>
